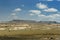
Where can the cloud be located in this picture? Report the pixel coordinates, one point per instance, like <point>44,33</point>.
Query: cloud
<point>55,15</point>
<point>46,0</point>
<point>15,17</point>
<point>44,17</point>
<point>49,16</point>
<point>49,0</point>
<point>13,14</point>
<point>52,17</point>
<point>31,14</point>
<point>41,6</point>
<point>17,10</point>
<point>50,10</point>
<point>35,12</point>
<point>46,8</point>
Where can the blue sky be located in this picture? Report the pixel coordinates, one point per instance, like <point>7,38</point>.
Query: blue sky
<point>45,10</point>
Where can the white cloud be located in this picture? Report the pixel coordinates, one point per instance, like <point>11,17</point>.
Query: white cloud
<point>41,6</point>
<point>56,15</point>
<point>17,10</point>
<point>31,14</point>
<point>43,17</point>
<point>50,10</point>
<point>13,14</point>
<point>46,0</point>
<point>15,17</point>
<point>35,11</point>
<point>49,0</point>
<point>52,17</point>
<point>46,8</point>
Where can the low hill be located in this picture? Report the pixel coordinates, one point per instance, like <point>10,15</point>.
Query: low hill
<point>32,21</point>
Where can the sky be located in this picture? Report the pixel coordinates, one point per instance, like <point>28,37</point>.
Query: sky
<point>39,10</point>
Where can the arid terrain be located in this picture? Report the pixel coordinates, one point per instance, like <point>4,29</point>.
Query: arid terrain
<point>29,31</point>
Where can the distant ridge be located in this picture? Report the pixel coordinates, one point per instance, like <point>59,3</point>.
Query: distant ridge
<point>22,21</point>
<point>49,22</point>
<point>31,21</point>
